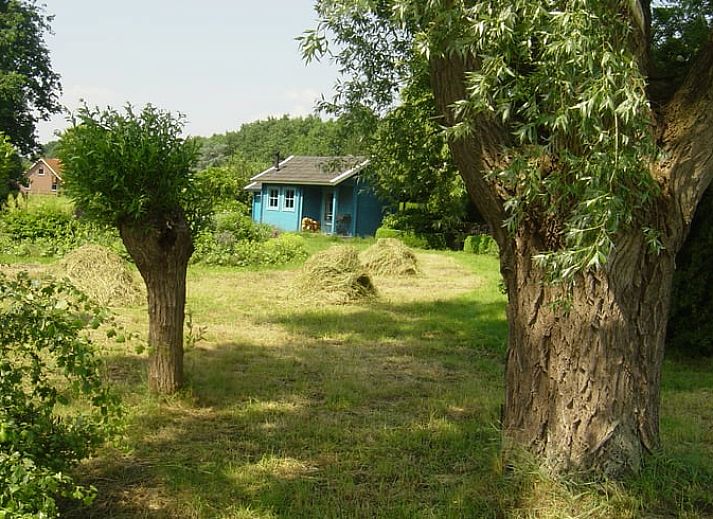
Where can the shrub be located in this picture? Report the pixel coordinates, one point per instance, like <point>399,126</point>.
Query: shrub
<point>408,238</point>
<point>437,241</point>
<point>439,230</point>
<point>241,226</point>
<point>223,249</point>
<point>46,228</point>
<point>47,362</point>
<point>480,244</point>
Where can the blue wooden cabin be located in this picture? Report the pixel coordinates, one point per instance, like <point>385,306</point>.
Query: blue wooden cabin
<point>328,190</point>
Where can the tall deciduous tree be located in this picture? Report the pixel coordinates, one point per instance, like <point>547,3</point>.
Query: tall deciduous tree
<point>412,167</point>
<point>28,85</point>
<point>10,168</point>
<point>589,179</point>
<point>135,171</point>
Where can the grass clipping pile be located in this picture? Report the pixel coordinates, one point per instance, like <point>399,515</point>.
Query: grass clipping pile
<point>390,257</point>
<point>103,275</point>
<point>335,276</point>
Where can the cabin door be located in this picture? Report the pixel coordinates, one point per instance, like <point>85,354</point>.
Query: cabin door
<point>328,210</point>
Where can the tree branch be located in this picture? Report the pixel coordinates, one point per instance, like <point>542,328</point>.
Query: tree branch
<point>475,154</point>
<point>686,134</point>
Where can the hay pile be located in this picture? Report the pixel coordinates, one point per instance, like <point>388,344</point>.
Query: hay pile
<point>389,257</point>
<point>335,276</point>
<point>103,275</point>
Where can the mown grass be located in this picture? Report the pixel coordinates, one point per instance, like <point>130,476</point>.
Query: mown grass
<point>388,409</point>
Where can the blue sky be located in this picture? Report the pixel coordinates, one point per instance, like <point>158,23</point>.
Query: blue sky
<point>220,62</point>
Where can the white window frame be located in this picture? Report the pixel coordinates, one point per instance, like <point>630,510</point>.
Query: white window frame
<point>293,199</point>
<point>40,171</point>
<point>270,199</point>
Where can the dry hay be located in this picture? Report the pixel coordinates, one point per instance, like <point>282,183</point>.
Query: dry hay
<point>335,276</point>
<point>390,257</point>
<point>103,275</point>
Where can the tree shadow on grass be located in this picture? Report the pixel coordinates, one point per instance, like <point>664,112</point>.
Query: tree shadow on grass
<point>372,411</point>
<point>376,415</point>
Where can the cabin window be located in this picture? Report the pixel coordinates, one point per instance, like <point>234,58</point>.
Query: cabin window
<point>289,204</point>
<point>54,185</point>
<point>41,172</point>
<point>273,198</point>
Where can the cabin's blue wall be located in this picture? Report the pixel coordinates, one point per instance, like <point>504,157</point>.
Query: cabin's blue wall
<point>257,206</point>
<point>369,211</point>
<point>358,212</point>
<point>281,217</point>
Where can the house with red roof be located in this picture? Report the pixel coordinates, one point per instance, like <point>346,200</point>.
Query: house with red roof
<point>43,178</point>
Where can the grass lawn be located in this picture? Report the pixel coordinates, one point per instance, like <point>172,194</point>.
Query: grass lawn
<point>387,409</point>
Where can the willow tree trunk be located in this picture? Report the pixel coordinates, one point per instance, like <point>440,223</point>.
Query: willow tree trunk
<point>583,380</point>
<point>161,249</point>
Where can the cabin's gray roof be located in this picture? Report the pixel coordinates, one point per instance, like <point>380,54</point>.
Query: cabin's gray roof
<point>315,171</point>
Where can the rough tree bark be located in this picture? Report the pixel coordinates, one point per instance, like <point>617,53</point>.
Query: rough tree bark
<point>161,249</point>
<point>582,386</point>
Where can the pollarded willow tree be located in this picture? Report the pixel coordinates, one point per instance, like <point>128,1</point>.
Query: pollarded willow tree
<point>135,171</point>
<point>588,175</point>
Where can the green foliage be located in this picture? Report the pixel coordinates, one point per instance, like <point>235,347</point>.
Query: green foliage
<point>680,29</point>
<point>49,228</point>
<point>375,54</point>
<point>412,239</point>
<point>49,149</point>
<point>554,77</point>
<point>223,185</point>
<point>47,362</point>
<point>241,226</point>
<point>224,249</point>
<point>257,142</point>
<point>439,230</point>
<point>28,86</point>
<point>690,328</point>
<point>480,244</point>
<point>130,167</point>
<point>576,105</point>
<point>10,167</point>
<point>412,167</point>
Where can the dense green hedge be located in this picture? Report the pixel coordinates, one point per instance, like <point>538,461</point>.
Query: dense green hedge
<point>480,244</point>
<point>47,227</point>
<point>225,250</point>
<point>690,328</point>
<point>415,240</point>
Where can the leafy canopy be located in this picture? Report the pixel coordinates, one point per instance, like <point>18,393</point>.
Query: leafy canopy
<point>680,28</point>
<point>556,77</point>
<point>10,168</point>
<point>127,167</point>
<point>28,85</point>
<point>412,168</point>
<point>258,141</point>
